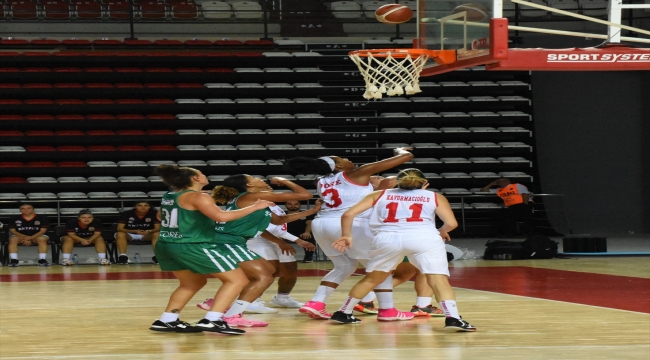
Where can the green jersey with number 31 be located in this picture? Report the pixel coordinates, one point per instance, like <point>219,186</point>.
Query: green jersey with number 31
<point>179,225</point>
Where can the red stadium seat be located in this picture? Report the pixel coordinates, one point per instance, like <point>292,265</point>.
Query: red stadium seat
<point>189,85</point>
<point>101,54</point>
<point>11,133</point>
<point>153,11</point>
<point>161,117</point>
<point>118,10</point>
<point>24,10</point>
<point>72,164</point>
<point>36,53</point>
<point>259,43</point>
<point>166,42</point>
<point>11,86</point>
<point>12,164</point>
<point>184,11</point>
<point>37,86</point>
<point>56,10</point>
<point>198,43</point>
<point>14,42</point>
<point>137,42</point>
<point>228,43</point>
<point>162,148</point>
<point>102,148</point>
<point>99,86</point>
<point>129,86</point>
<point>157,86</point>
<point>219,70</point>
<point>158,70</point>
<point>69,133</point>
<point>40,164</point>
<point>12,117</point>
<point>128,70</point>
<point>186,70</point>
<point>10,102</point>
<point>12,180</point>
<point>129,101</point>
<point>99,101</point>
<point>71,148</point>
<point>8,53</point>
<point>160,101</point>
<point>37,69</point>
<point>39,102</point>
<point>131,148</point>
<point>107,42</point>
<point>39,117</point>
<point>68,102</point>
<point>98,69</point>
<point>39,133</point>
<point>105,117</point>
<point>100,132</point>
<point>161,132</point>
<point>69,117</point>
<point>89,10</point>
<point>40,148</point>
<point>69,53</point>
<point>68,86</point>
<point>131,132</point>
<point>68,69</point>
<point>77,42</point>
<point>130,117</point>
<point>10,69</point>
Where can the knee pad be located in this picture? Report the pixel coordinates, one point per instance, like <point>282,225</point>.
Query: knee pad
<point>343,268</point>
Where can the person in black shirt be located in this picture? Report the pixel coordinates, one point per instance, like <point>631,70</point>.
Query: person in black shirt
<point>85,230</point>
<point>301,227</point>
<point>139,223</point>
<point>27,229</point>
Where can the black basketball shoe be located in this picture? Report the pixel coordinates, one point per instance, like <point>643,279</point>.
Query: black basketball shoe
<point>219,326</point>
<point>178,326</point>
<point>453,324</point>
<point>343,318</point>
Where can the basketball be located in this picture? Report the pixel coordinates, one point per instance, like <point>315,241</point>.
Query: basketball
<point>393,14</point>
<point>475,12</point>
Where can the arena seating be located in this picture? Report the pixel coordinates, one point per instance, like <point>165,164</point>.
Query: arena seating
<point>95,133</point>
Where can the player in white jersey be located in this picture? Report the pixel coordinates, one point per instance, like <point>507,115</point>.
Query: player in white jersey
<point>341,186</point>
<point>403,223</point>
<point>286,266</point>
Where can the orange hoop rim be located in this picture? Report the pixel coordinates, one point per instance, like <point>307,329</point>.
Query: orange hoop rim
<point>401,53</point>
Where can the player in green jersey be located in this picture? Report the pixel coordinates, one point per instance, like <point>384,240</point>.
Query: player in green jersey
<point>187,247</point>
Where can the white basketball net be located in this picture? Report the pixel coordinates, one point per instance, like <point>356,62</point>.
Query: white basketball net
<point>389,75</point>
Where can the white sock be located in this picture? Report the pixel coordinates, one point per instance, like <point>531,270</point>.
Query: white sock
<point>323,293</point>
<point>282,295</point>
<point>101,255</point>
<point>349,305</point>
<point>169,317</point>
<point>450,309</point>
<point>214,316</point>
<point>423,301</point>
<point>13,256</point>
<point>385,299</point>
<point>237,308</point>
<point>41,256</point>
<point>66,256</point>
<point>368,298</point>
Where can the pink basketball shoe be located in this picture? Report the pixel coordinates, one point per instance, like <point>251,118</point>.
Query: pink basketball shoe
<point>393,315</point>
<point>206,305</point>
<point>239,321</point>
<point>315,310</point>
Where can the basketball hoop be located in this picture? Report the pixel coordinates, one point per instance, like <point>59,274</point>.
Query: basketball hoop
<point>395,71</point>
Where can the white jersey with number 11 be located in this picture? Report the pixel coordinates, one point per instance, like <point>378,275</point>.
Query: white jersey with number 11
<point>404,210</point>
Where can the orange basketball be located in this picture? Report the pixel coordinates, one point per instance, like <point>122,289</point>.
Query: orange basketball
<point>475,12</point>
<point>393,14</point>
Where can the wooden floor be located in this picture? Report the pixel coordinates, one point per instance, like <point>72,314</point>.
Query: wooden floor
<point>92,312</point>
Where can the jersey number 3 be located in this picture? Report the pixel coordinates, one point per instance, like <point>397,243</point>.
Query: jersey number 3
<point>170,219</point>
<point>416,210</point>
<point>335,198</point>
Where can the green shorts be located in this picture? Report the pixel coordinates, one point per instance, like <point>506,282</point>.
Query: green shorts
<point>200,258</point>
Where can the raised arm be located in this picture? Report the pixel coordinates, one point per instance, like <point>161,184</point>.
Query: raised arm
<point>362,173</point>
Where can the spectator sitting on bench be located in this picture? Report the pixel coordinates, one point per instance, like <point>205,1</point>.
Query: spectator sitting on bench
<point>85,230</point>
<point>138,224</point>
<point>517,199</point>
<point>27,229</point>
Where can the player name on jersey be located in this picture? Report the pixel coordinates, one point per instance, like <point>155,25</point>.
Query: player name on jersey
<point>407,198</point>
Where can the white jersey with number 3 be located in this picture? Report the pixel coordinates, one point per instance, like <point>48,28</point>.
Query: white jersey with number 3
<point>340,193</point>
<point>399,210</point>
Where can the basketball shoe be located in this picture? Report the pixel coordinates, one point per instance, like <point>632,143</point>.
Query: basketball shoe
<point>393,315</point>
<point>66,262</point>
<point>258,307</point>
<point>104,261</point>
<point>285,301</point>
<point>343,318</point>
<point>453,324</point>
<point>315,310</point>
<point>13,263</point>
<point>239,321</point>
<point>428,311</point>
<point>366,308</point>
<point>43,262</point>
<point>219,326</point>
<point>174,326</point>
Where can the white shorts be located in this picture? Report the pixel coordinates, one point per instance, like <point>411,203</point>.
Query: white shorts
<point>134,237</point>
<point>327,230</point>
<point>425,252</point>
<point>268,250</point>
<point>45,236</point>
